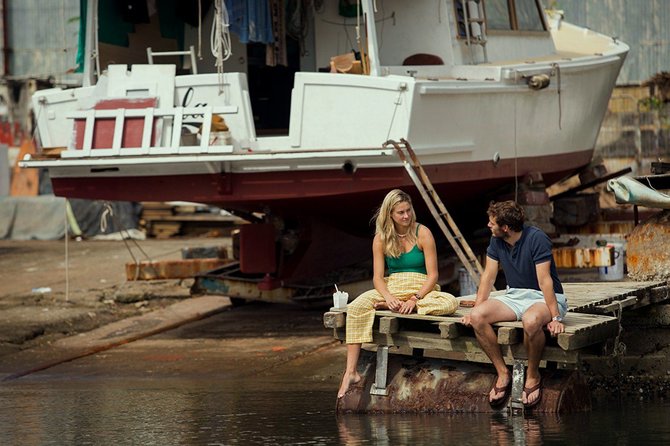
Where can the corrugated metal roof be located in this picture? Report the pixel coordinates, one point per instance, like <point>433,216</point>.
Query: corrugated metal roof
<point>642,24</point>
<point>42,37</point>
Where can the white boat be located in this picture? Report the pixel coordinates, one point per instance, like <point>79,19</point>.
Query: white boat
<point>483,96</point>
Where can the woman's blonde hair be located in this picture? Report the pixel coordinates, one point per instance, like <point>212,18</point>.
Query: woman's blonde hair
<point>385,227</point>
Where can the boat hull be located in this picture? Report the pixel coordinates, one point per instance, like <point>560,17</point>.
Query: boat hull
<point>322,193</point>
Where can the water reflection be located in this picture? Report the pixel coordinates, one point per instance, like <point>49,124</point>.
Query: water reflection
<point>471,429</point>
<point>629,424</point>
<point>175,412</point>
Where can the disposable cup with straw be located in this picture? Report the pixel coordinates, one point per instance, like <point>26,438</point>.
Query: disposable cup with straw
<point>340,298</point>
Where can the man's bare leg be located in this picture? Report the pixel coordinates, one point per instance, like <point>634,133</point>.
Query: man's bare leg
<point>481,318</point>
<point>534,319</point>
<point>351,375</point>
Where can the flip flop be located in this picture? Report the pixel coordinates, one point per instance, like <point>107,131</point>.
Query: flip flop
<point>529,390</point>
<point>500,402</point>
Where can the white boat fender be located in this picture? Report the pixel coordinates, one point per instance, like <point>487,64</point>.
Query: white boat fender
<point>628,190</point>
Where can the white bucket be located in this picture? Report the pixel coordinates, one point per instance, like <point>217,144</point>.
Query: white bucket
<point>466,283</point>
<point>220,138</point>
<point>614,272</point>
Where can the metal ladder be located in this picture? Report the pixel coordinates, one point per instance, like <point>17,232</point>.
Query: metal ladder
<point>433,201</point>
<point>475,26</point>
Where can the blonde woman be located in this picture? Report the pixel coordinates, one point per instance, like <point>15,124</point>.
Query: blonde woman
<point>407,249</point>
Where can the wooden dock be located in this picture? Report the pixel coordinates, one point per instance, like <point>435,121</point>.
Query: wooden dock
<point>592,326</point>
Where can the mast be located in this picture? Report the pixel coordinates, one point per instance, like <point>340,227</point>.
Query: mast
<point>91,44</point>
<point>371,38</point>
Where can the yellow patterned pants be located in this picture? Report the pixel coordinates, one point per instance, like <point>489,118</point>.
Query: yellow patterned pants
<point>361,312</point>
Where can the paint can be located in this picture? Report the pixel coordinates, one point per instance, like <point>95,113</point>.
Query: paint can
<point>614,272</point>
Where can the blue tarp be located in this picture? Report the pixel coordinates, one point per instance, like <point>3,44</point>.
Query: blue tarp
<point>250,20</point>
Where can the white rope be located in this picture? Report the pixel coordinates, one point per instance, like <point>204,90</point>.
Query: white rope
<point>516,159</point>
<point>558,91</point>
<point>395,109</point>
<point>199,30</point>
<point>619,347</point>
<point>358,23</point>
<point>106,213</point>
<point>220,38</point>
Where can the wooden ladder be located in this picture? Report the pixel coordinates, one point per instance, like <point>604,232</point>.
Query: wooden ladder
<point>445,222</point>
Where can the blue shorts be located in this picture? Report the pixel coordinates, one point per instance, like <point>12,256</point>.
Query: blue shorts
<point>519,300</point>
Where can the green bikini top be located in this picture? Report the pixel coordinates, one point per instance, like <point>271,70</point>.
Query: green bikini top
<point>412,261</point>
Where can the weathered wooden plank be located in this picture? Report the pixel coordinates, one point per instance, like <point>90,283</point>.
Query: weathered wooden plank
<point>510,335</point>
<point>456,317</point>
<point>584,296</point>
<point>567,359</point>
<point>616,305</point>
<point>421,340</point>
<point>333,319</point>
<point>467,349</point>
<point>449,330</point>
<point>550,354</point>
<point>592,335</point>
<point>660,293</point>
<point>388,325</point>
<point>340,333</point>
<point>172,269</point>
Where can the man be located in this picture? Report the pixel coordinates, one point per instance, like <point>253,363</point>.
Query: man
<point>534,296</point>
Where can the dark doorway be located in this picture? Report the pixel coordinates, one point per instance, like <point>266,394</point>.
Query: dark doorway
<point>270,88</point>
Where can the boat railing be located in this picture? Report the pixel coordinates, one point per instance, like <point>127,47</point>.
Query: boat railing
<point>160,130</point>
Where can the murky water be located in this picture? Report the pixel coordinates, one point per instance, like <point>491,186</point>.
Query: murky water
<point>174,412</point>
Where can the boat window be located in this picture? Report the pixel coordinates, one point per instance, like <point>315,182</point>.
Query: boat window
<point>498,14</point>
<point>513,15</point>
<point>528,16</point>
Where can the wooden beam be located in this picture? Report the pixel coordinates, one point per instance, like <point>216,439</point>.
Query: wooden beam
<point>172,269</point>
<point>598,333</point>
<point>388,325</point>
<point>449,330</point>
<point>616,305</point>
<point>332,319</point>
<point>340,334</point>
<point>467,349</point>
<point>510,335</point>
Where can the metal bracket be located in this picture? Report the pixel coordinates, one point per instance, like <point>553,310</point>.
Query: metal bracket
<point>518,380</point>
<point>379,386</point>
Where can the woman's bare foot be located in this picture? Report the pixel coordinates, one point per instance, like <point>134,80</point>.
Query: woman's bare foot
<point>347,380</point>
<point>381,305</point>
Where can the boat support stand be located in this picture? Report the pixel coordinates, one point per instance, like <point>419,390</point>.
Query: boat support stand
<point>381,373</point>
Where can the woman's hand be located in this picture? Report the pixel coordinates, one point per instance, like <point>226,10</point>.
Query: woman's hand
<point>393,303</point>
<point>408,306</point>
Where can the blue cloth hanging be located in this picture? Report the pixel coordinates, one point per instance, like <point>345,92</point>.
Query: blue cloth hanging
<point>250,20</point>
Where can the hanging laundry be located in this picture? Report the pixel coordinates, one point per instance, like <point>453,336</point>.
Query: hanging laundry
<point>275,53</point>
<point>250,20</point>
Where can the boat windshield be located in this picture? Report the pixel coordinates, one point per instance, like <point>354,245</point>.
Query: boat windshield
<point>514,15</point>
